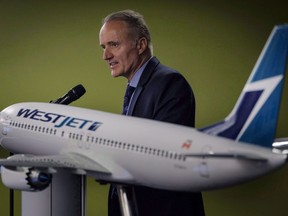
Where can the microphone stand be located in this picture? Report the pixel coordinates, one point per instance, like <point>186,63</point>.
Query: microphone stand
<point>11,202</point>
<point>66,195</point>
<point>11,198</point>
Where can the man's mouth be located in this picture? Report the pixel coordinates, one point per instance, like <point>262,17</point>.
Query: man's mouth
<point>112,64</point>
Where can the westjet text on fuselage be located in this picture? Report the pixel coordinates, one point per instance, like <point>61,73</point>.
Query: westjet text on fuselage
<point>59,120</point>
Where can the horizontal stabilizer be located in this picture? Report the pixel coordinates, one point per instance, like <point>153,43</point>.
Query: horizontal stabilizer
<point>281,143</point>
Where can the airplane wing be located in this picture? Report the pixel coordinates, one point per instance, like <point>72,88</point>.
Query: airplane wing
<point>235,155</point>
<point>79,163</point>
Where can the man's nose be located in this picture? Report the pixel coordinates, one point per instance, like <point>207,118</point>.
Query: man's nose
<point>107,54</point>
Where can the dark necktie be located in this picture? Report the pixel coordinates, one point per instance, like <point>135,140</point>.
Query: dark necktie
<point>127,97</point>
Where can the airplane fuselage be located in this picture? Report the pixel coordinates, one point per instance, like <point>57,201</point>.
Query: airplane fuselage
<point>133,150</point>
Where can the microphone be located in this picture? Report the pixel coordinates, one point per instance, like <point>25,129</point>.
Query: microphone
<point>72,95</point>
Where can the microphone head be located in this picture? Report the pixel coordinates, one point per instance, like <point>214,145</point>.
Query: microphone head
<point>77,92</point>
<point>72,95</point>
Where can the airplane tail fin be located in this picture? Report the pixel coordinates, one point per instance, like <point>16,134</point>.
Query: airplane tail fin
<point>254,117</point>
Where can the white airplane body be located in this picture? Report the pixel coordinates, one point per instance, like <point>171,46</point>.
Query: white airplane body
<point>128,150</point>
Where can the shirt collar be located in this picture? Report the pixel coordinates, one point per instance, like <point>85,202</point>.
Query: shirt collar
<point>135,79</point>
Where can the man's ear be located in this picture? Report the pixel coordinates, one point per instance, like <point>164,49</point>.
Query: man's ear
<point>142,45</point>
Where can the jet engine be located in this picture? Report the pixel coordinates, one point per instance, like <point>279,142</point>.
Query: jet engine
<point>25,178</point>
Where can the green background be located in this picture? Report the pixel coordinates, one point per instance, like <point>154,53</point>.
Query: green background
<point>47,47</point>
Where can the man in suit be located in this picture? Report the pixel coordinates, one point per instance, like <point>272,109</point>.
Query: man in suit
<point>159,93</point>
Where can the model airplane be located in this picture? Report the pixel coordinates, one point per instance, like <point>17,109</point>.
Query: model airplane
<point>120,149</point>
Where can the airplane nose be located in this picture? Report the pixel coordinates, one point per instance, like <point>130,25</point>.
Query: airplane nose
<point>3,129</point>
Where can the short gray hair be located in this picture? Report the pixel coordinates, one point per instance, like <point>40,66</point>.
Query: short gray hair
<point>134,20</point>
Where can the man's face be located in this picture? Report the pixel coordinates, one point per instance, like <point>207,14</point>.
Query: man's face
<point>119,49</point>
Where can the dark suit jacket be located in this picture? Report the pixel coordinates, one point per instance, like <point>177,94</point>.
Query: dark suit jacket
<point>163,94</point>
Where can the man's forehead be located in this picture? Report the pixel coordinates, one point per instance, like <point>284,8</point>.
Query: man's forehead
<point>113,31</point>
<point>115,27</point>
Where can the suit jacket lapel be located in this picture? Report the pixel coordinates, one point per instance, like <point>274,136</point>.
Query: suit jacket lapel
<point>148,71</point>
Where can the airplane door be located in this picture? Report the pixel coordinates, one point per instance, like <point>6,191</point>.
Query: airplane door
<point>84,141</point>
<point>204,165</point>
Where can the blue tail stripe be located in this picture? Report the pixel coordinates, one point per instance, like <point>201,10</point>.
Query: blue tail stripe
<point>262,129</point>
<point>230,128</point>
<point>242,114</point>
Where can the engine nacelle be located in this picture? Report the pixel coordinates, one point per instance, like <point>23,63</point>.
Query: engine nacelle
<point>25,179</point>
